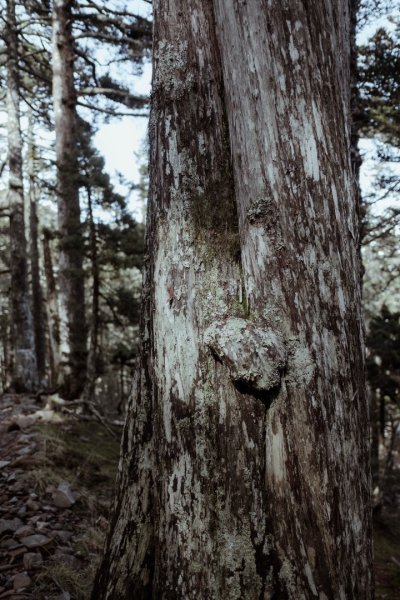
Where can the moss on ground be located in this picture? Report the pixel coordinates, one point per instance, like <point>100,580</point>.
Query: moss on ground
<point>86,455</point>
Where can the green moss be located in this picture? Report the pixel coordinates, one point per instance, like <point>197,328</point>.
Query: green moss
<point>215,221</point>
<point>77,583</point>
<point>82,453</point>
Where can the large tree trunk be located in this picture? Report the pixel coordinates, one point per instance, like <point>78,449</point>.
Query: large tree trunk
<point>25,373</point>
<point>71,277</point>
<point>244,469</point>
<point>37,293</point>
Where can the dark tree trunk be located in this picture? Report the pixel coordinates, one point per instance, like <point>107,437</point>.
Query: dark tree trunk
<point>91,371</point>
<point>71,277</point>
<point>53,319</point>
<point>37,293</point>
<point>25,372</point>
<point>244,469</point>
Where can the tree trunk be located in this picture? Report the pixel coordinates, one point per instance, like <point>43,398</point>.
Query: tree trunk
<point>25,373</point>
<point>37,294</point>
<point>53,318</point>
<point>91,370</point>
<point>244,469</point>
<point>71,276</point>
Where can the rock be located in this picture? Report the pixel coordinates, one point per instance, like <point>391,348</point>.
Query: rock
<point>25,450</point>
<point>32,560</point>
<point>35,541</point>
<point>63,496</point>
<point>32,505</point>
<point>14,553</point>
<point>4,463</point>
<point>24,531</point>
<point>60,534</point>
<point>21,580</point>
<point>10,526</point>
<point>34,519</point>
<point>42,526</point>
<point>18,486</point>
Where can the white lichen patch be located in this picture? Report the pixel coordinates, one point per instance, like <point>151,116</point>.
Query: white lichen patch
<point>301,365</point>
<point>306,130</point>
<point>170,76</point>
<point>288,577</point>
<point>175,332</point>
<point>310,579</point>
<point>254,356</point>
<point>237,560</point>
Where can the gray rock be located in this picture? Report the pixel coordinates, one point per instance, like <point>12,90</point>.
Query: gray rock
<point>60,534</point>
<point>21,580</point>
<point>24,531</point>
<point>4,463</point>
<point>63,496</point>
<point>10,525</point>
<point>32,560</point>
<point>35,541</point>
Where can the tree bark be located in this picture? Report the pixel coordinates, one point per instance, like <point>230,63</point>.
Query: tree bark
<point>244,470</point>
<point>53,318</point>
<point>37,293</point>
<point>91,370</point>
<point>71,277</point>
<point>25,373</point>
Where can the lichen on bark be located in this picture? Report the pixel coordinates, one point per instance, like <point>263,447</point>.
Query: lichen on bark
<point>255,357</point>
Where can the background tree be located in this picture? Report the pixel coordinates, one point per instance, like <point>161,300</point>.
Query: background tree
<point>376,119</point>
<point>73,333</point>
<point>25,372</point>
<point>92,27</point>
<point>244,460</point>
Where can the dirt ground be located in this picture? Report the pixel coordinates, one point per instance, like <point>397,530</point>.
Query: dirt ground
<point>57,474</point>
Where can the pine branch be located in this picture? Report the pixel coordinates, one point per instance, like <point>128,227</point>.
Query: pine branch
<point>114,113</point>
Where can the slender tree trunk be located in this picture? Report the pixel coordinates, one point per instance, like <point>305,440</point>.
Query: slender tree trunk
<point>375,438</point>
<point>244,469</point>
<point>94,322</point>
<point>25,372</point>
<point>37,293</point>
<point>53,318</point>
<point>71,277</point>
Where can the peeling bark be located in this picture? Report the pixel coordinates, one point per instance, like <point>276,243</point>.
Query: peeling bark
<point>251,287</point>
<point>25,373</point>
<point>71,278</point>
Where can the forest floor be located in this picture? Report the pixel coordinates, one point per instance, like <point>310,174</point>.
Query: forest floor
<point>57,476</point>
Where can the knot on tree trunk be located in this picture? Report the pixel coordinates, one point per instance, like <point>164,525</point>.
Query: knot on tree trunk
<point>254,356</point>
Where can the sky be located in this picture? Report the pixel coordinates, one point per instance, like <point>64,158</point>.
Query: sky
<point>121,143</point>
